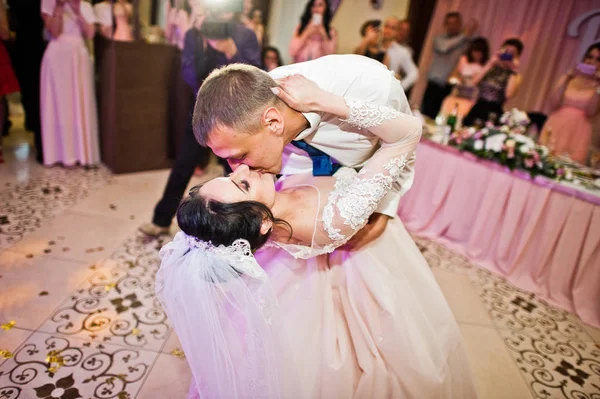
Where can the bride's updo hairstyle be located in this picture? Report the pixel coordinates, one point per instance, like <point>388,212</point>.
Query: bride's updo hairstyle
<point>222,223</point>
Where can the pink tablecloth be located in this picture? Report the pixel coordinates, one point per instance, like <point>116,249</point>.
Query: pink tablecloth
<point>542,236</point>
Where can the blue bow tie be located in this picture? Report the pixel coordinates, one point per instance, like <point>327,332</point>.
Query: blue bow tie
<point>323,165</point>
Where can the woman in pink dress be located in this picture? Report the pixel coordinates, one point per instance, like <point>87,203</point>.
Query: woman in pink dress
<point>576,96</point>
<point>314,37</point>
<point>68,103</point>
<point>122,12</point>
<point>178,22</point>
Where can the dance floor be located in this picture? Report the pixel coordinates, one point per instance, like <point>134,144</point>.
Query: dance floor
<point>79,317</point>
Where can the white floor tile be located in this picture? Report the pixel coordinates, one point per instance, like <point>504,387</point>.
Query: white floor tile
<point>33,288</point>
<point>170,378</point>
<point>462,297</point>
<point>496,375</point>
<point>76,236</point>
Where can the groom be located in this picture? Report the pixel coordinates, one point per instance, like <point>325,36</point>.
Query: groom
<point>290,121</point>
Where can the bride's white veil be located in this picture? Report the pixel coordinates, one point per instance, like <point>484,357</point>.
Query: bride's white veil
<point>222,305</point>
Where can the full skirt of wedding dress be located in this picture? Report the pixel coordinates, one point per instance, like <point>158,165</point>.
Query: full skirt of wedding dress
<point>368,324</point>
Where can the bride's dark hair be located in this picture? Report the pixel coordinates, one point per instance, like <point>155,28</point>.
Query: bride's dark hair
<point>222,223</point>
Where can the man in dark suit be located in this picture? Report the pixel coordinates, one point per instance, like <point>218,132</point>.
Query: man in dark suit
<point>29,50</point>
<point>200,56</point>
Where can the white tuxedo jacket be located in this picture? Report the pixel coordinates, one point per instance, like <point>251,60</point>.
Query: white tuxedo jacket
<point>350,76</point>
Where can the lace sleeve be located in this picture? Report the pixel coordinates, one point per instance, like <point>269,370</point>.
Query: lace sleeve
<point>356,196</point>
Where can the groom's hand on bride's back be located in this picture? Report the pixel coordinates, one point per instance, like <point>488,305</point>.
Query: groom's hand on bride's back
<point>372,231</point>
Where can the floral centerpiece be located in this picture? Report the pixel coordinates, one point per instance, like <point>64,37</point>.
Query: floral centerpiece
<point>506,144</point>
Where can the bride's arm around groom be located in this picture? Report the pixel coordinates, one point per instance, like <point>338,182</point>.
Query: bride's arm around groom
<point>357,197</point>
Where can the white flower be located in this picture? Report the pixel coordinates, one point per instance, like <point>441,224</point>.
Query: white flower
<point>485,131</point>
<point>471,131</point>
<point>478,145</point>
<point>510,143</point>
<point>519,138</point>
<point>524,149</point>
<point>504,129</point>
<point>545,150</point>
<point>495,142</point>
<point>568,174</point>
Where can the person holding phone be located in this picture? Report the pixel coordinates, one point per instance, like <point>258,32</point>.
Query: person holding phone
<point>498,81</point>
<point>370,44</point>
<point>314,37</point>
<point>576,98</point>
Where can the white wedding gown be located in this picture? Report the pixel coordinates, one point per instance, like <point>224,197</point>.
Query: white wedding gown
<point>366,324</point>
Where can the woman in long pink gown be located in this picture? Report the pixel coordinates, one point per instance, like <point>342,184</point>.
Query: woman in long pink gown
<point>68,103</point>
<point>568,130</point>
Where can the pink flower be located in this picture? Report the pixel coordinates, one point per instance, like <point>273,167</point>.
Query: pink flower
<point>529,163</point>
<point>536,156</point>
<point>560,172</point>
<point>510,153</point>
<point>478,136</point>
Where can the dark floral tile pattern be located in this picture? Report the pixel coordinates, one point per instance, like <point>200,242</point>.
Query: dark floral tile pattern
<point>556,369</point>
<point>25,206</point>
<point>55,367</point>
<point>117,303</point>
<point>550,346</point>
<point>520,311</point>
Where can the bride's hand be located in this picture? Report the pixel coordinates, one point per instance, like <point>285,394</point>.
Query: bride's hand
<point>299,92</point>
<point>372,231</point>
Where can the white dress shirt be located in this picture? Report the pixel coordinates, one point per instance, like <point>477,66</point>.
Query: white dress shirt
<point>349,76</point>
<point>402,63</point>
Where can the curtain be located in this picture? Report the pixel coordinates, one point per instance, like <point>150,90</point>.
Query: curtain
<point>543,27</point>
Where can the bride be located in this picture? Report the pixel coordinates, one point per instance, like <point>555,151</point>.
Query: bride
<point>315,321</point>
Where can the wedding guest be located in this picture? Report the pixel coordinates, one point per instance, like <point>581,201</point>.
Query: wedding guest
<point>256,25</point>
<point>464,92</point>
<point>498,81</point>
<point>121,12</point>
<point>8,80</point>
<point>403,36</point>
<point>400,57</point>
<point>178,22</point>
<point>68,103</point>
<point>200,56</point>
<point>271,58</point>
<point>575,98</point>
<point>370,44</point>
<point>314,37</point>
<point>447,49</point>
<point>29,50</point>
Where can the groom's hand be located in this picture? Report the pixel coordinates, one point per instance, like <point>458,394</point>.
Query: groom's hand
<point>372,231</point>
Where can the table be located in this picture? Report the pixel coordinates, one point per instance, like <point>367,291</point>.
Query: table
<point>540,234</point>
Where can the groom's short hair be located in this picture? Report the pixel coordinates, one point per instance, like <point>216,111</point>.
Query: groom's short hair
<point>233,96</point>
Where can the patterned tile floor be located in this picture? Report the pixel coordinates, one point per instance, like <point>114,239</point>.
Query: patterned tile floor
<point>79,317</point>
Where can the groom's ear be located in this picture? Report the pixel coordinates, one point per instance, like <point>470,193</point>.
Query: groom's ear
<point>266,226</point>
<point>273,120</point>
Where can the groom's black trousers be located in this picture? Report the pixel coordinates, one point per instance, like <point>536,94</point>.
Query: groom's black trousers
<point>190,155</point>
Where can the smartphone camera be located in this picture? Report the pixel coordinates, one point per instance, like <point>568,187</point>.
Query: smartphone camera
<point>506,57</point>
